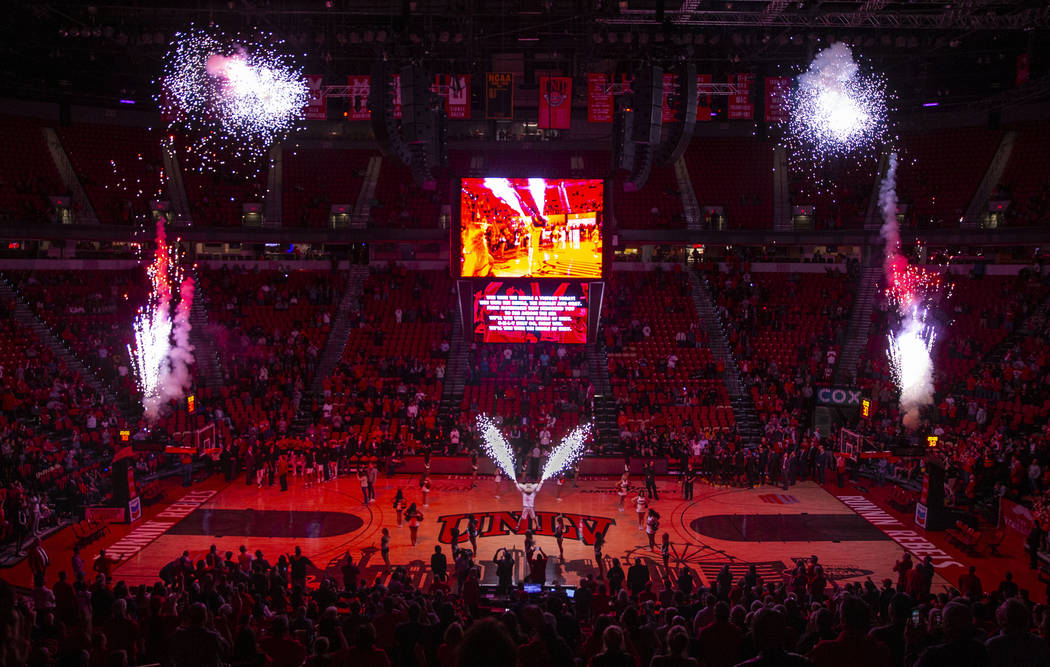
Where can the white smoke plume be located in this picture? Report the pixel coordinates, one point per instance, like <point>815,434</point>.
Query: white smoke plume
<point>910,346</point>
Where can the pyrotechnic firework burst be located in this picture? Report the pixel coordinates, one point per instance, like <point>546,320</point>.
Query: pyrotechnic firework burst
<point>836,110</point>
<point>229,98</point>
<point>496,446</point>
<point>161,367</point>
<point>911,363</point>
<point>566,453</point>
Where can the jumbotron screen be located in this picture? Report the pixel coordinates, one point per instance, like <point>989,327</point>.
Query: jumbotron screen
<point>531,228</point>
<point>531,312</point>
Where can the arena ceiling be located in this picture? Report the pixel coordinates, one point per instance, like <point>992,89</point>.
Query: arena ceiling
<point>957,51</point>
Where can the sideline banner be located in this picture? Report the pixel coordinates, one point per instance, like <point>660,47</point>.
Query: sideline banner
<point>1015,516</point>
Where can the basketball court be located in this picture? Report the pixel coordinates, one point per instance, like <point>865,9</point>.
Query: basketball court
<point>765,526</point>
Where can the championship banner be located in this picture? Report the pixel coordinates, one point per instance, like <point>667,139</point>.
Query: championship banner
<point>316,104</point>
<point>499,96</point>
<point>670,113</point>
<point>555,102</point>
<point>396,79</point>
<point>740,106</point>
<point>359,86</point>
<point>778,88</point>
<point>703,99</point>
<point>599,98</point>
<point>457,95</point>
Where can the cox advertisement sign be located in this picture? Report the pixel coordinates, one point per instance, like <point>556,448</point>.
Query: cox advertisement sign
<point>843,397</point>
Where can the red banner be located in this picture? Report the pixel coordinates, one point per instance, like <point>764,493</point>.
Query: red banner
<point>670,113</point>
<point>1024,63</point>
<point>599,98</point>
<point>359,86</point>
<point>315,101</point>
<point>455,88</point>
<point>397,95</point>
<point>777,90</point>
<point>703,98</point>
<point>555,102</point>
<point>740,106</point>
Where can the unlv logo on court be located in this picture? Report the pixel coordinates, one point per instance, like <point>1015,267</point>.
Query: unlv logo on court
<point>496,524</point>
<point>556,92</point>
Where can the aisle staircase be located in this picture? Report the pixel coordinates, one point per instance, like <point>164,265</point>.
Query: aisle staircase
<point>747,425</point>
<point>205,355</point>
<point>457,367</point>
<point>25,316</point>
<point>363,205</point>
<point>605,413</point>
<point>690,206</point>
<point>174,186</point>
<point>338,336</point>
<point>859,326</point>
<point>86,213</point>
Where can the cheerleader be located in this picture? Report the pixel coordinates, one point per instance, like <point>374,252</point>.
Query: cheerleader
<point>623,489</point>
<point>665,551</point>
<point>559,534</point>
<point>641,504</point>
<point>426,492</point>
<point>473,469</point>
<point>560,483</point>
<point>414,517</point>
<point>399,507</point>
<point>652,524</point>
<point>499,484</point>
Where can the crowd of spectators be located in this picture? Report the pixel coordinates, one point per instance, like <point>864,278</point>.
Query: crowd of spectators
<point>240,608</point>
<point>55,432</point>
<point>785,334</point>
<point>269,328</point>
<point>667,387</point>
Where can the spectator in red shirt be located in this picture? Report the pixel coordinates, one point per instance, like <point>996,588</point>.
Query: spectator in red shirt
<point>720,641</point>
<point>282,649</point>
<point>853,647</point>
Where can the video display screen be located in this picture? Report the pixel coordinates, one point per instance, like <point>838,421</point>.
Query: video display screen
<point>531,228</point>
<point>531,312</point>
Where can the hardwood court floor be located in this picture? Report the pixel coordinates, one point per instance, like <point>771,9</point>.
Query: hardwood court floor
<point>766,526</point>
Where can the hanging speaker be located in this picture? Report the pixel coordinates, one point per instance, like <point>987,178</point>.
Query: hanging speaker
<point>673,146</point>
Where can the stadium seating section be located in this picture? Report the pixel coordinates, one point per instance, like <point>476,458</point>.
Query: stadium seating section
<point>659,382</point>
<point>735,174</point>
<point>120,168</point>
<point>27,172</point>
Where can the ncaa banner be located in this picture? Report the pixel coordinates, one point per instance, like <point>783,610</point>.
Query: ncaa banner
<point>703,97</point>
<point>555,102</point>
<point>457,95</point>
<point>778,88</point>
<point>740,106</point>
<point>359,87</point>
<point>316,104</point>
<point>499,96</point>
<point>599,98</point>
